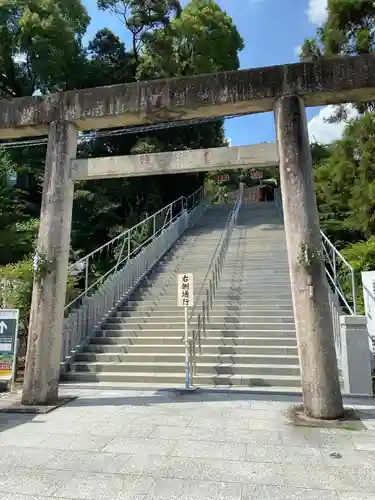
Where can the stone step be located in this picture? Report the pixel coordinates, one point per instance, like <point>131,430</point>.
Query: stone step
<point>178,348</point>
<point>254,301</point>
<point>120,324</point>
<point>175,332</point>
<point>220,296</point>
<point>214,319</point>
<point>179,358</point>
<point>167,379</point>
<point>248,289</point>
<point>227,341</point>
<point>215,315</point>
<point>202,368</point>
<point>218,308</point>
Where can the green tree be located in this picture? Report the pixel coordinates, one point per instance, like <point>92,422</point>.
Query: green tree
<point>40,45</point>
<point>201,39</point>
<point>349,30</point>
<point>141,17</point>
<point>345,182</point>
<point>100,206</point>
<point>108,61</point>
<point>17,231</point>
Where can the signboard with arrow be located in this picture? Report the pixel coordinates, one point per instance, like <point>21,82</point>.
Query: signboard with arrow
<point>8,342</point>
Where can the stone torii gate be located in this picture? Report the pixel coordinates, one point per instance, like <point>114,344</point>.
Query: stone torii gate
<point>284,89</point>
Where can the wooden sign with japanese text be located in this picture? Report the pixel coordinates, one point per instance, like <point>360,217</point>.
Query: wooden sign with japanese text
<point>185,295</point>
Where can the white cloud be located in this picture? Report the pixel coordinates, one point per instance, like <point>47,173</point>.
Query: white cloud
<point>297,50</point>
<point>317,11</point>
<point>325,133</point>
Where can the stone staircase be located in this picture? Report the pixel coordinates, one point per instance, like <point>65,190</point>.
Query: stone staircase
<point>143,343</point>
<point>250,336</point>
<point>251,339</point>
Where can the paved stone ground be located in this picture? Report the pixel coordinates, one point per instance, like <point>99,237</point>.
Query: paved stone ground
<point>155,445</point>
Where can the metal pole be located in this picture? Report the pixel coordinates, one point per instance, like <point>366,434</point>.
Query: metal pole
<point>334,266</point>
<point>154,226</point>
<point>187,361</point>
<point>14,364</point>
<point>86,274</point>
<point>354,292</point>
<point>5,300</point>
<point>129,245</point>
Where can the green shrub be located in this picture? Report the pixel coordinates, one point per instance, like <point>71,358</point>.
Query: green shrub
<point>361,256</point>
<point>16,285</point>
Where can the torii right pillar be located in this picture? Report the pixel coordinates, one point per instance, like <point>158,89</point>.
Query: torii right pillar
<point>322,397</point>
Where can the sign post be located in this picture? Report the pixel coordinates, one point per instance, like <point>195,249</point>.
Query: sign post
<point>185,299</point>
<point>8,344</point>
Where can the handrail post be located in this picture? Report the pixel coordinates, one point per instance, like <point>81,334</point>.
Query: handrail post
<point>354,294</point>
<point>86,274</point>
<point>334,267</point>
<point>187,346</point>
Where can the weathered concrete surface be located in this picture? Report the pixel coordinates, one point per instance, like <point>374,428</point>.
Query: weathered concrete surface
<point>42,369</point>
<point>319,372</point>
<point>177,162</point>
<point>155,445</point>
<point>322,82</point>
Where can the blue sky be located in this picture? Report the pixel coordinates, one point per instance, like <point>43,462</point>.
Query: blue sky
<point>272,31</point>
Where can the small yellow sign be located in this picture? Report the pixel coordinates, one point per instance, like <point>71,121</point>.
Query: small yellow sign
<point>6,362</point>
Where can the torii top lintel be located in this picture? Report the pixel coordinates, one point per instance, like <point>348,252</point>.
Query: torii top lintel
<point>327,81</point>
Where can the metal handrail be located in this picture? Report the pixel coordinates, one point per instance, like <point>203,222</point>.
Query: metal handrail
<point>334,261</point>
<point>333,264</point>
<point>208,292</point>
<point>167,216</point>
<point>83,321</point>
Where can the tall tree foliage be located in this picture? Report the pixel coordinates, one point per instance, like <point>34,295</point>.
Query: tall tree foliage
<point>201,39</point>
<point>142,17</point>
<point>40,45</point>
<point>345,180</point>
<point>348,30</point>
<point>35,55</point>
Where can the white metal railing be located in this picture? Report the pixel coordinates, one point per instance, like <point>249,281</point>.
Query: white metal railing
<point>335,263</point>
<point>124,278</point>
<point>335,307</point>
<point>204,299</point>
<point>369,305</point>
<point>127,245</point>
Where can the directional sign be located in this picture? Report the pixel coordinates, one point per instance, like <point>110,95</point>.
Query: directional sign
<point>8,338</point>
<point>185,290</point>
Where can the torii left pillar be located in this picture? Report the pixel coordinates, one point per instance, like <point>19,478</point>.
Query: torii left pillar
<point>42,371</point>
